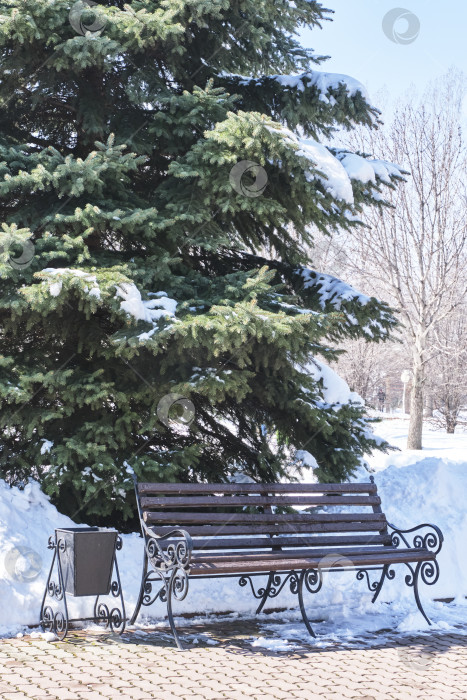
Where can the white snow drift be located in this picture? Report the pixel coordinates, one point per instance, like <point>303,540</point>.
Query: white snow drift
<point>429,489</point>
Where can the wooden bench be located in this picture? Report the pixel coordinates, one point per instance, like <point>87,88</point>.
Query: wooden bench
<point>276,532</point>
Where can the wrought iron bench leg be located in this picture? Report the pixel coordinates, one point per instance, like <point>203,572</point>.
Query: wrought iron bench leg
<point>419,570</point>
<point>141,590</point>
<point>428,537</point>
<point>267,591</point>
<point>378,588</point>
<point>173,586</point>
<point>274,585</point>
<point>416,594</point>
<point>313,580</point>
<point>428,571</point>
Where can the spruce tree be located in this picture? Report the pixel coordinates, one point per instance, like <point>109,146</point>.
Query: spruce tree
<point>162,171</point>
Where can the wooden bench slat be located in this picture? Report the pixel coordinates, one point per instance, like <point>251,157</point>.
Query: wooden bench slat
<point>193,489</point>
<point>281,541</point>
<point>285,528</point>
<point>346,552</point>
<point>251,565</point>
<point>253,501</point>
<point>260,518</point>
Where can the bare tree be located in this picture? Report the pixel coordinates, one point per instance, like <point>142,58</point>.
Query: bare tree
<point>359,367</point>
<point>416,249</point>
<point>447,375</point>
<point>373,371</point>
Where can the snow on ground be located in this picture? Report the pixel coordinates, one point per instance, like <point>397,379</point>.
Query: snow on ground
<point>346,624</point>
<point>415,487</point>
<point>436,443</point>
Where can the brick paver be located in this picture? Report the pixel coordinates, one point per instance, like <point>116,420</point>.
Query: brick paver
<point>94,665</point>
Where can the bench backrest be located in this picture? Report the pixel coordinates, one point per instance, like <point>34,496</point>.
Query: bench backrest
<point>238,516</point>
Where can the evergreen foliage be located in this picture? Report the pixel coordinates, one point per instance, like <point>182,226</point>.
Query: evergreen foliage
<point>120,126</point>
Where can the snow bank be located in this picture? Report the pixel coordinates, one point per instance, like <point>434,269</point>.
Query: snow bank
<point>26,521</point>
<point>431,490</point>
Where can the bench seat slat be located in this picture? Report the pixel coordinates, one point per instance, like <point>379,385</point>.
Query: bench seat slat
<point>263,518</point>
<point>246,500</point>
<point>281,541</point>
<point>345,552</point>
<point>147,489</point>
<point>251,564</point>
<point>284,528</point>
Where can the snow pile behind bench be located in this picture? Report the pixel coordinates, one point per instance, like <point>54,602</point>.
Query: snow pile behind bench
<point>432,490</point>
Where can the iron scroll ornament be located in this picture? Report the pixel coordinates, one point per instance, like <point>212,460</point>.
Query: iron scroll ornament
<point>170,566</point>
<point>177,555</point>
<point>273,587</point>
<point>55,621</point>
<point>372,585</point>
<point>311,579</point>
<point>432,540</point>
<point>115,618</point>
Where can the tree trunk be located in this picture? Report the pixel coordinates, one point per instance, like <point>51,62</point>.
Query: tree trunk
<point>414,440</point>
<point>429,406</point>
<point>451,418</point>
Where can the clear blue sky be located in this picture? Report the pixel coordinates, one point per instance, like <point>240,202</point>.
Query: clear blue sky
<point>358,46</point>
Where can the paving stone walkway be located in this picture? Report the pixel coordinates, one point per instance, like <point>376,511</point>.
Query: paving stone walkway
<point>222,663</point>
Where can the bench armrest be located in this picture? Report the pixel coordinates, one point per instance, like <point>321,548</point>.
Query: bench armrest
<point>431,537</point>
<point>175,555</point>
